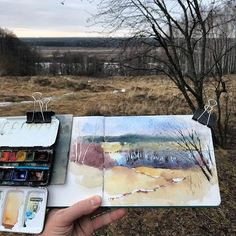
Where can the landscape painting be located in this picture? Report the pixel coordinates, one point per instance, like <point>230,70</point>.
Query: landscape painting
<point>85,165</point>
<point>140,161</point>
<point>159,161</point>
<point>86,154</point>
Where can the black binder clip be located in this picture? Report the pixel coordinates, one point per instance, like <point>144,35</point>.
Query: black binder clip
<point>205,116</point>
<point>42,116</point>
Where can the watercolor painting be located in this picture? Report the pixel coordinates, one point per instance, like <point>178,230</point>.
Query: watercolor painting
<point>158,161</point>
<point>140,161</point>
<point>85,166</point>
<point>86,154</point>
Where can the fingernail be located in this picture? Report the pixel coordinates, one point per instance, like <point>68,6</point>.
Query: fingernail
<point>95,201</point>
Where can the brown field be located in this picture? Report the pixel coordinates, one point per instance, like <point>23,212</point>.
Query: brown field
<point>123,186</point>
<point>135,96</point>
<point>98,51</point>
<point>88,96</point>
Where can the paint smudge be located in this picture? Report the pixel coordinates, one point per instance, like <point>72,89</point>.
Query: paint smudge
<point>13,203</point>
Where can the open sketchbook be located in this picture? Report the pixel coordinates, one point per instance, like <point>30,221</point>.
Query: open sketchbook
<point>140,161</point>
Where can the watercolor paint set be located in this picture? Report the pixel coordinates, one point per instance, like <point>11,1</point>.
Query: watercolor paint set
<point>25,167</point>
<point>27,153</point>
<point>22,209</point>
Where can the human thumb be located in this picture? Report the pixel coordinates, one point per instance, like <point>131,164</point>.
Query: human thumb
<point>84,207</point>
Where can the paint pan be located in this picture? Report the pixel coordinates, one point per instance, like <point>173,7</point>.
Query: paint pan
<point>7,174</point>
<point>34,202</point>
<point>14,201</point>
<point>5,156</point>
<point>1,174</point>
<point>20,156</point>
<point>12,156</point>
<point>30,156</point>
<point>35,175</point>
<point>19,175</point>
<point>41,156</point>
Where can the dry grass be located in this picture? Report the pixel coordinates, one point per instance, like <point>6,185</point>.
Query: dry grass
<point>85,96</point>
<point>135,96</point>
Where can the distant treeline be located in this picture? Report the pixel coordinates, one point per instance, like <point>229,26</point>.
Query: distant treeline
<point>16,57</point>
<point>131,139</point>
<point>124,57</point>
<point>21,57</point>
<point>85,42</point>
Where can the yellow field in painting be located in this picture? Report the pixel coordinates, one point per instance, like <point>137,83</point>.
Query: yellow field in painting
<point>150,186</point>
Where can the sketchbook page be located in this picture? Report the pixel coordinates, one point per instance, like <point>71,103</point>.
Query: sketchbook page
<point>85,167</point>
<point>159,161</point>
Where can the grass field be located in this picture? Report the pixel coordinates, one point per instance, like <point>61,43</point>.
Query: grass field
<point>87,96</point>
<point>135,96</point>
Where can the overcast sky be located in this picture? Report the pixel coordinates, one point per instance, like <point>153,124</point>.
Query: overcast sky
<point>45,18</point>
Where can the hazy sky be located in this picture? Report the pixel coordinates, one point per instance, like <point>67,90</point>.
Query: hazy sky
<point>45,18</point>
<point>37,18</point>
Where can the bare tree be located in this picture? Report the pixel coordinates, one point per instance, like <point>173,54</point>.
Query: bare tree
<point>192,143</point>
<point>222,53</point>
<point>178,37</point>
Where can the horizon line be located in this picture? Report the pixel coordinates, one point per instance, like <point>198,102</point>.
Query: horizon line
<point>71,37</point>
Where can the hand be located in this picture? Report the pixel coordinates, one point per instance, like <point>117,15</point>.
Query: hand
<point>75,220</point>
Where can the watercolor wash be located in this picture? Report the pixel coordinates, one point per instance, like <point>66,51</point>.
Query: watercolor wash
<point>159,161</point>
<point>22,209</point>
<point>85,167</point>
<point>140,161</point>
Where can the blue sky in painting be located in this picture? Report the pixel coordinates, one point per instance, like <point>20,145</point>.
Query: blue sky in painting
<point>88,126</point>
<point>164,126</point>
<point>148,125</point>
